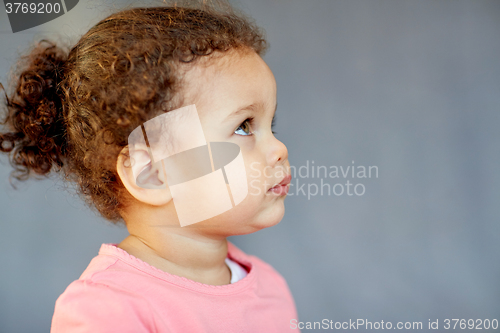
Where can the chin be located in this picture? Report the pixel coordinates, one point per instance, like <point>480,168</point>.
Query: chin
<point>248,218</point>
<point>269,218</point>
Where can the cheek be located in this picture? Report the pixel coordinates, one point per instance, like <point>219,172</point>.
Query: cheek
<point>248,207</point>
<point>242,215</point>
<point>255,169</point>
<point>254,212</point>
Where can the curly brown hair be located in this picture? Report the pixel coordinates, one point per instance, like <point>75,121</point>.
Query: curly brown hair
<point>73,111</point>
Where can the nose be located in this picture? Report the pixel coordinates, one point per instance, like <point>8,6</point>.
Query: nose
<point>277,153</point>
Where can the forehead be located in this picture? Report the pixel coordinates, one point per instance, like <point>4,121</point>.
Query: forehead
<point>222,85</point>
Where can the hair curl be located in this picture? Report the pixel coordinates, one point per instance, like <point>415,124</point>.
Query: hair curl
<point>73,111</point>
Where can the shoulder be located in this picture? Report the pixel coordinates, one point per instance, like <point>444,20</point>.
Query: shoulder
<point>99,301</point>
<point>116,268</point>
<point>87,306</point>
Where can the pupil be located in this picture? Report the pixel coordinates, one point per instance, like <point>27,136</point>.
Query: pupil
<point>244,127</point>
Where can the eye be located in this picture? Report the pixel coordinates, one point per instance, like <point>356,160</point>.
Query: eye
<point>244,128</point>
<point>272,125</point>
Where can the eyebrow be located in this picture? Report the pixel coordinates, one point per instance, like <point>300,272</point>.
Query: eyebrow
<point>250,107</point>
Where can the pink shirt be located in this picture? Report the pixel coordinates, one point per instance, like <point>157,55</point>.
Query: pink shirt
<point>121,293</point>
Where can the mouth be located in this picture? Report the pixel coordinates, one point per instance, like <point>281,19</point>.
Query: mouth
<point>282,187</point>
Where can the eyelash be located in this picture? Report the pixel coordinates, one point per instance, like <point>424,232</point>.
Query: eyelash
<point>250,121</point>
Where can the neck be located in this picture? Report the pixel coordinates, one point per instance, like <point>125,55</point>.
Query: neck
<point>180,251</point>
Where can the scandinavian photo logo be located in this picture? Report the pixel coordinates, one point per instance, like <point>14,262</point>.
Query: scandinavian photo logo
<point>205,178</point>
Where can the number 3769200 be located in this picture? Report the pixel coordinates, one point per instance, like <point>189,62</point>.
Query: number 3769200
<point>39,8</point>
<point>470,324</point>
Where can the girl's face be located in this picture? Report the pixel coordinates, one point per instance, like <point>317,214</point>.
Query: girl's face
<point>235,97</point>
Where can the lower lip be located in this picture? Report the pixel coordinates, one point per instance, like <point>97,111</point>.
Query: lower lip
<point>280,190</point>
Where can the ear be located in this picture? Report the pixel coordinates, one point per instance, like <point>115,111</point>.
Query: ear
<point>150,186</point>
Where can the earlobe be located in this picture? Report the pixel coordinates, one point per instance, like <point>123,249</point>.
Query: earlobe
<point>150,186</point>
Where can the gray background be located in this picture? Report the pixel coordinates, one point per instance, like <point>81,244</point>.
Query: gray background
<point>412,87</point>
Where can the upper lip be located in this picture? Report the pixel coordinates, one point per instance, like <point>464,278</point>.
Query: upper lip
<point>285,181</point>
